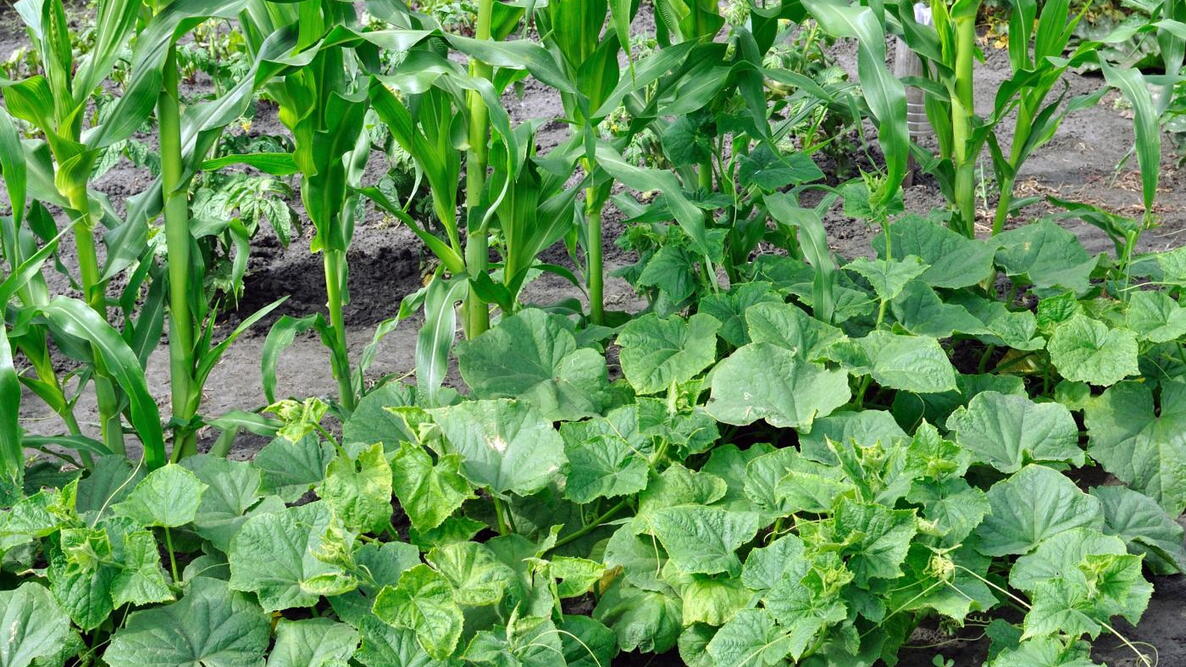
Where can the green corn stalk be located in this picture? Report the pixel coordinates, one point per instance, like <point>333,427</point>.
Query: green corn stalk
<point>477,245</point>
<point>574,31</point>
<point>175,194</point>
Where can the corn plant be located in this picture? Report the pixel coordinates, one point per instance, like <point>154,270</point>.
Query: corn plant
<point>323,104</point>
<point>590,59</point>
<point>54,103</point>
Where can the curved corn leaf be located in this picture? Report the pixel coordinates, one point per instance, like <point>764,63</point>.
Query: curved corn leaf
<point>12,455</point>
<point>77,319</point>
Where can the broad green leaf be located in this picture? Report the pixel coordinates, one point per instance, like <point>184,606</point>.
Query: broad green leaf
<point>1008,431</point>
<point>505,445</point>
<point>587,642</point>
<point>109,482</point>
<point>920,311</point>
<point>713,600</point>
<point>913,409</point>
<point>729,463</point>
<point>730,308</point>
<point>1142,442</point>
<point>1087,350</point>
<point>1155,317</point>
<point>876,538</point>
<point>272,555</point>
<point>313,642</point>
<point>422,601</point>
<point>1144,526</point>
<point>530,641</point>
<point>640,557</point>
<point>657,353</point>
<point>783,482</point>
<point>935,585</point>
<point>1017,329</point>
<point>1032,505</point>
<point>887,277</point>
<point>372,422</point>
<point>358,490</point>
<point>576,575</point>
<point>1058,558</point>
<point>645,621</point>
<point>1047,255</point>
<point>428,492</point>
<point>289,469</point>
<point>534,356</point>
<point>1110,585</point>
<point>678,485</point>
<point>766,566</point>
<point>603,466</point>
<point>751,638</point>
<point>765,381</point>
<point>34,625</point>
<point>384,645</point>
<point>477,577</point>
<point>167,497</point>
<point>233,491</point>
<point>788,326</point>
<point>771,171</point>
<point>804,604</point>
<point>863,427</point>
<point>210,625</point>
<point>909,363</point>
<point>1046,652</point>
<point>953,506</point>
<point>141,579</point>
<point>83,589</point>
<point>30,518</point>
<point>953,260</point>
<point>702,539</point>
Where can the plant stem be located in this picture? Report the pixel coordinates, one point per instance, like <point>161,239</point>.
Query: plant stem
<point>477,244</point>
<point>591,526</point>
<point>175,198</point>
<point>106,394</point>
<point>172,557</point>
<point>962,108</point>
<point>705,175</point>
<point>596,275</point>
<point>335,278</point>
<point>500,513</point>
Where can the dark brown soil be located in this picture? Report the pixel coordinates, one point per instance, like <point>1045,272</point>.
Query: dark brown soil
<point>1084,162</point>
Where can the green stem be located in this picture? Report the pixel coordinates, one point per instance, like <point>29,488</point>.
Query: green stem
<point>500,513</point>
<point>335,279</point>
<point>172,556</point>
<point>175,198</point>
<point>705,175</point>
<point>1003,206</point>
<point>962,109</point>
<point>591,526</point>
<point>477,244</point>
<point>596,275</point>
<point>106,394</point>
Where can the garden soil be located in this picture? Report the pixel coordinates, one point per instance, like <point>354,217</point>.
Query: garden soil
<point>1088,160</point>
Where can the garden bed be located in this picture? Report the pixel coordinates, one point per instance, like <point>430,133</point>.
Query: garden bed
<point>387,263</point>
